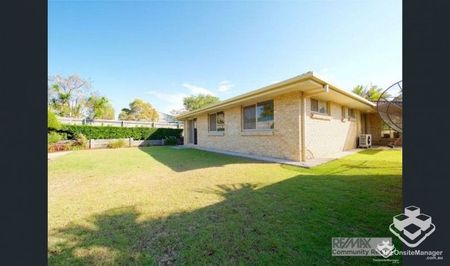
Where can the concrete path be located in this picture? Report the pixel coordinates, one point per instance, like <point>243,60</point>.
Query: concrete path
<point>54,155</point>
<point>307,164</point>
<point>332,157</point>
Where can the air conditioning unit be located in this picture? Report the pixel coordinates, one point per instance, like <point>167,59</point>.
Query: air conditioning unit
<point>365,140</point>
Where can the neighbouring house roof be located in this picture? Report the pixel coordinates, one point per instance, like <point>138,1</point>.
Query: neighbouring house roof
<point>163,117</point>
<point>308,82</point>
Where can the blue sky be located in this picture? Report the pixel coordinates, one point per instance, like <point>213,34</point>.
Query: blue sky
<point>163,51</point>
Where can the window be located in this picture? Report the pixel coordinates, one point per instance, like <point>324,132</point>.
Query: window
<point>220,121</point>
<point>258,116</point>
<point>217,122</point>
<point>212,122</point>
<point>250,117</point>
<point>351,113</point>
<point>319,106</point>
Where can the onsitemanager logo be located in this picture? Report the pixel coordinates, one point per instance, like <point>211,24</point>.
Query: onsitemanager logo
<point>385,249</point>
<point>412,227</point>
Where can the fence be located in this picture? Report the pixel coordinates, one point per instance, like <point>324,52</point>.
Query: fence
<point>119,123</point>
<point>129,142</point>
<point>67,145</point>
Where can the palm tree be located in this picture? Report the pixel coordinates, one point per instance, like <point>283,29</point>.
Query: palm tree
<point>359,90</point>
<point>369,92</point>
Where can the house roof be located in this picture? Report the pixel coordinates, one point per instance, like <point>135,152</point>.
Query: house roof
<point>166,117</point>
<point>308,82</point>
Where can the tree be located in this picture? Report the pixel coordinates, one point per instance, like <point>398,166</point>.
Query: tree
<point>99,107</point>
<point>67,96</point>
<point>374,93</point>
<point>139,111</point>
<point>369,92</point>
<point>195,102</point>
<point>52,120</point>
<point>359,90</point>
<point>108,112</point>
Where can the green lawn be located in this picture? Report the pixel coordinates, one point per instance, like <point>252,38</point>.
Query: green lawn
<point>161,205</point>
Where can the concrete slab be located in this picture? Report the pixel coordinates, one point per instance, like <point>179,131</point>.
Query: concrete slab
<point>331,157</point>
<point>307,164</point>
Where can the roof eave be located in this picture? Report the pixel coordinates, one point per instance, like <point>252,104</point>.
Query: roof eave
<point>302,77</point>
<point>248,94</point>
<point>347,93</point>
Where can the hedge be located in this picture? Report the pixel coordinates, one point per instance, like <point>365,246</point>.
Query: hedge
<point>108,132</point>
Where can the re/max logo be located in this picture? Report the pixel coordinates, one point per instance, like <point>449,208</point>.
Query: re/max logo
<point>347,242</point>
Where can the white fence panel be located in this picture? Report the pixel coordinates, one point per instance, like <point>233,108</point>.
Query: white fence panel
<point>119,123</point>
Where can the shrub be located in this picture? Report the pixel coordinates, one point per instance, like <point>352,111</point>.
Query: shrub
<point>137,133</point>
<point>117,144</point>
<point>53,137</point>
<point>63,135</point>
<point>80,140</point>
<point>66,145</point>
<point>170,140</point>
<point>59,147</point>
<point>52,120</point>
<point>76,147</point>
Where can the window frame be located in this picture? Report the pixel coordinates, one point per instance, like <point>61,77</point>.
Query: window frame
<point>327,107</point>
<point>255,106</point>
<point>351,116</point>
<point>217,127</point>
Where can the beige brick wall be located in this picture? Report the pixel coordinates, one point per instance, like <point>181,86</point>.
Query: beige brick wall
<point>187,138</point>
<point>324,137</point>
<point>374,128</point>
<point>284,143</point>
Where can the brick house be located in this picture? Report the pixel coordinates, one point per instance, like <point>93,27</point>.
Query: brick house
<point>297,119</point>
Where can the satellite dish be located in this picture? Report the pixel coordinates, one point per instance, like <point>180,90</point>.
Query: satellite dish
<point>390,106</point>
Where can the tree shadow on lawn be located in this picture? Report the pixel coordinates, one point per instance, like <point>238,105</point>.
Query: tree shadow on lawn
<point>290,222</point>
<point>187,159</point>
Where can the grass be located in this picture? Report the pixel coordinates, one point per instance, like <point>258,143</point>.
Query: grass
<point>161,205</point>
